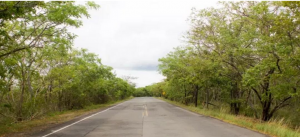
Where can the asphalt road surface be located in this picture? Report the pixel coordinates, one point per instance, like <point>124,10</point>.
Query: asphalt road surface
<point>148,117</point>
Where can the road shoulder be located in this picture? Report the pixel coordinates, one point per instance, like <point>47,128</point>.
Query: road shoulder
<point>196,111</point>
<point>46,124</point>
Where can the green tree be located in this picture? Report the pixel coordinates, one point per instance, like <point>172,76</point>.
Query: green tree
<point>238,54</point>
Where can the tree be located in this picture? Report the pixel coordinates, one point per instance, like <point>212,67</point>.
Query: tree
<point>237,52</point>
<point>40,70</point>
<point>38,24</point>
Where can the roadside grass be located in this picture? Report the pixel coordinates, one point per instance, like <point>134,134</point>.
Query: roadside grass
<point>274,128</point>
<point>51,119</point>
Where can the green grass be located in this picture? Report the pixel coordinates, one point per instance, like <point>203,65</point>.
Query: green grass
<point>50,119</point>
<point>275,128</point>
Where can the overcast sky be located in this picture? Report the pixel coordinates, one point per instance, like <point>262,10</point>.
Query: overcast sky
<point>131,36</point>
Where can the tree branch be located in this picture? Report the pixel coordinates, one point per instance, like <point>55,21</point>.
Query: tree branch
<point>13,51</point>
<point>256,92</point>
<point>281,105</point>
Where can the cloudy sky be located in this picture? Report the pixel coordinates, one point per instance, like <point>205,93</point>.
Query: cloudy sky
<point>131,36</point>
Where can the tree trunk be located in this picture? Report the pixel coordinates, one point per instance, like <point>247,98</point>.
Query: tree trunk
<point>20,104</point>
<point>265,114</point>
<point>29,84</point>
<point>196,95</point>
<point>185,95</point>
<point>235,105</point>
<point>207,98</point>
<point>266,103</point>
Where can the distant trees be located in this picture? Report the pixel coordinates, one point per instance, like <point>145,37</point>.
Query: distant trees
<point>40,70</point>
<point>155,90</point>
<point>245,54</point>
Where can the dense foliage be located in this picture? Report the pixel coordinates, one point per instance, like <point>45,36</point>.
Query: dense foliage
<point>40,70</point>
<point>244,56</point>
<point>152,90</point>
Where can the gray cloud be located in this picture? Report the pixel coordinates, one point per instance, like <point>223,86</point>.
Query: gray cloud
<point>138,67</point>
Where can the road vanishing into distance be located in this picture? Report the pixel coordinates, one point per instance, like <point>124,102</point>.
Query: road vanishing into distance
<point>148,117</point>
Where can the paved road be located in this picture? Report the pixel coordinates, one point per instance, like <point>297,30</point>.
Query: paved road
<point>149,117</point>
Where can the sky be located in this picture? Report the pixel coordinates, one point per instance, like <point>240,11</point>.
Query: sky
<point>131,36</point>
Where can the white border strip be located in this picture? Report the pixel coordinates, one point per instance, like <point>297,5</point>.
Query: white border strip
<point>81,120</point>
<point>193,113</point>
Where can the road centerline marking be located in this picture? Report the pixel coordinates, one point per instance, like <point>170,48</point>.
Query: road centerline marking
<point>146,110</point>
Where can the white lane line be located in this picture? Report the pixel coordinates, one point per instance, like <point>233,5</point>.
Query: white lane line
<point>188,111</point>
<point>80,120</point>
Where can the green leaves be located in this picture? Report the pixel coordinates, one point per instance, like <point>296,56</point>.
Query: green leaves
<point>242,47</point>
<point>41,25</point>
<point>40,71</point>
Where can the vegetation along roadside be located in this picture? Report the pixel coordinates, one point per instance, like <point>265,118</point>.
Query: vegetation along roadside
<point>42,73</point>
<point>241,62</point>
